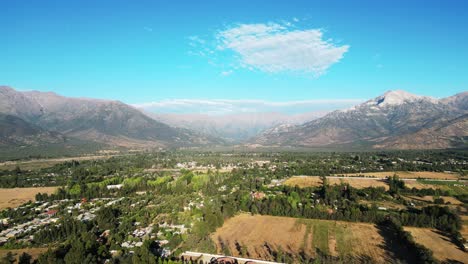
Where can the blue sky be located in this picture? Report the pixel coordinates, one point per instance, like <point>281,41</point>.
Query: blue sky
<point>274,51</point>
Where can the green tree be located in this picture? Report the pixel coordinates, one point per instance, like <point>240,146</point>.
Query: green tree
<point>24,258</point>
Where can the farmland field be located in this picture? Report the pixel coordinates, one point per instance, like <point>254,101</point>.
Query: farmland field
<point>313,181</point>
<point>45,163</point>
<point>428,198</point>
<point>18,196</point>
<point>408,174</point>
<point>451,186</point>
<point>441,245</point>
<point>258,236</point>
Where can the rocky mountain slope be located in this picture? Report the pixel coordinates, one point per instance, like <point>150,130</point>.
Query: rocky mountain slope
<point>16,131</point>
<point>109,122</point>
<point>396,119</point>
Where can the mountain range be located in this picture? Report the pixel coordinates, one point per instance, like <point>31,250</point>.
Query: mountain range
<point>394,120</point>
<point>51,117</point>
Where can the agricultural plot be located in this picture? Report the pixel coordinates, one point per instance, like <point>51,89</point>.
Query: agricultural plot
<point>455,187</point>
<point>260,236</point>
<point>18,196</point>
<point>45,163</point>
<point>443,248</point>
<point>314,181</point>
<point>408,175</point>
<point>430,199</point>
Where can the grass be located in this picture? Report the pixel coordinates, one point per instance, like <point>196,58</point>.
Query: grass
<point>259,233</point>
<point>448,183</point>
<point>320,230</point>
<point>344,241</point>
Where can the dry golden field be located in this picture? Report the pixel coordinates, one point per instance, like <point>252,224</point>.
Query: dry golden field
<point>409,175</point>
<point>257,236</point>
<point>45,163</point>
<point>312,181</point>
<point>442,246</point>
<point>430,199</point>
<point>464,230</point>
<point>17,196</point>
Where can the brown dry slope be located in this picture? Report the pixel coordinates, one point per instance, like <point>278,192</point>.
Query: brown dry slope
<point>441,245</point>
<point>260,236</point>
<point>18,196</point>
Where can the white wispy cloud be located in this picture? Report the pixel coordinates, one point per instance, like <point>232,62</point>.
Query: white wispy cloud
<point>227,73</point>
<point>277,48</point>
<point>271,48</point>
<point>195,40</point>
<point>225,106</point>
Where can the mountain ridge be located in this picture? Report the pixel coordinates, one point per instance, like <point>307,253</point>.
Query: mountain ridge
<point>104,121</point>
<point>394,120</point>
<point>391,115</point>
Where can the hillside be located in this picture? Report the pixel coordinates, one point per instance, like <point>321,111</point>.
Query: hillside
<point>392,120</point>
<point>109,122</point>
<point>15,131</point>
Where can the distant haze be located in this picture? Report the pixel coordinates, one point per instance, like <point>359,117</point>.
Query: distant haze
<point>228,106</point>
<point>234,127</point>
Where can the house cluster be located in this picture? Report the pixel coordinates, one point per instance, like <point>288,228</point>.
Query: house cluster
<point>198,203</point>
<point>257,195</point>
<point>260,163</point>
<point>20,230</point>
<point>114,186</point>
<point>187,165</point>
<point>276,182</point>
<point>138,236</point>
<point>193,165</point>
<point>88,212</point>
<point>174,229</point>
